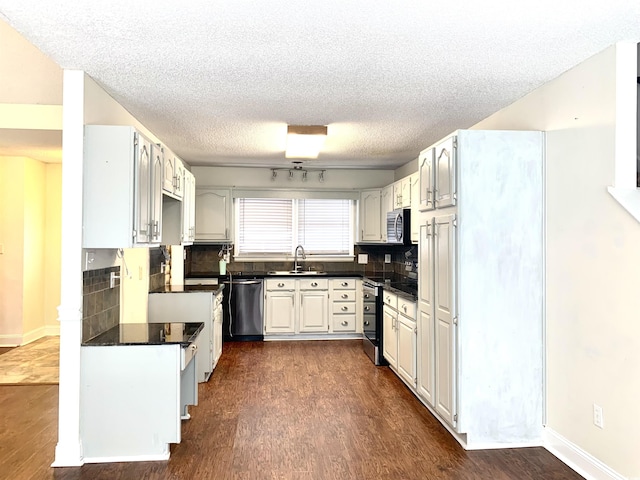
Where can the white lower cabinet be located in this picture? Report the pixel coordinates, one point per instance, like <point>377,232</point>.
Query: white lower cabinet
<point>399,336</point>
<point>280,317</point>
<point>196,306</point>
<point>314,316</point>
<point>390,336</point>
<point>312,307</point>
<point>407,344</point>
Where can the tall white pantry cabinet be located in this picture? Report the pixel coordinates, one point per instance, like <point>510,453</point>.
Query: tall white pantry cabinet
<point>480,308</point>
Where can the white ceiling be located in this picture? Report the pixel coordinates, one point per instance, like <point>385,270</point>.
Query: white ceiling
<point>218,81</point>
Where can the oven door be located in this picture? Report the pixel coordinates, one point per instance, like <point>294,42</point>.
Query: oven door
<point>369,313</point>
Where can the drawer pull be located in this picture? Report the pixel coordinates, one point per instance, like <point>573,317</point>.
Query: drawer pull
<point>314,284</point>
<point>281,285</point>
<point>344,295</point>
<point>366,295</point>
<point>367,308</point>
<point>404,307</point>
<point>344,323</point>
<point>344,309</point>
<point>366,323</point>
<point>344,284</point>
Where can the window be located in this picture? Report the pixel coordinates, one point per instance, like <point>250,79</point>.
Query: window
<point>275,226</point>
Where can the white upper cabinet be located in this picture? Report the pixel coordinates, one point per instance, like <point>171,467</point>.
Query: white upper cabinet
<point>173,178</point>
<point>386,206</point>
<point>213,214</point>
<point>402,193</point>
<point>445,166</point>
<point>414,180</point>
<point>370,218</point>
<point>427,179</point>
<point>122,188</point>
<point>189,209</point>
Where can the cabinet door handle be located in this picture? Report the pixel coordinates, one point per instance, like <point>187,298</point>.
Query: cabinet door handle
<point>344,323</point>
<point>314,284</point>
<point>366,309</point>
<point>344,295</point>
<point>366,323</point>
<point>366,295</point>
<point>344,284</point>
<point>344,309</point>
<point>281,285</point>
<point>404,307</point>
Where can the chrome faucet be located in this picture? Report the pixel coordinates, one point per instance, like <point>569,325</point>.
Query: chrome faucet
<point>297,267</point>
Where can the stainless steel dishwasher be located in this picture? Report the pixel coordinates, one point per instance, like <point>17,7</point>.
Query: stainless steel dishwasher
<point>242,307</point>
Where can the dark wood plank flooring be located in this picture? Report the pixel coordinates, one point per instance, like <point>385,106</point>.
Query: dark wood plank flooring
<point>282,410</point>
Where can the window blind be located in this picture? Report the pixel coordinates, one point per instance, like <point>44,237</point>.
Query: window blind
<point>265,226</point>
<point>324,226</point>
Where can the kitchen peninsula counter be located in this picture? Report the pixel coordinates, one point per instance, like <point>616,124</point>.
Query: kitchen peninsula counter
<point>137,381</point>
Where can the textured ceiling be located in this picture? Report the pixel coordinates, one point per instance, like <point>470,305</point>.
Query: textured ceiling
<point>218,81</point>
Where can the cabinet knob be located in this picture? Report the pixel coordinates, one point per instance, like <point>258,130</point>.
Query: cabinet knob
<point>314,284</point>
<point>366,323</point>
<point>344,323</point>
<point>281,285</point>
<point>366,295</point>
<point>344,309</point>
<point>344,284</point>
<point>344,295</point>
<point>366,309</point>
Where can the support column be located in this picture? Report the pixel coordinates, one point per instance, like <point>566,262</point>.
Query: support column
<point>69,448</point>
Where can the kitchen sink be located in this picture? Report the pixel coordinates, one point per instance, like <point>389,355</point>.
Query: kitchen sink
<point>293,272</point>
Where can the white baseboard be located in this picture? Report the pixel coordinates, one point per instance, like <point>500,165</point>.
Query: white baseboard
<point>25,338</point>
<point>125,458</point>
<point>576,458</point>
<point>52,330</point>
<point>497,445</point>
<point>10,340</point>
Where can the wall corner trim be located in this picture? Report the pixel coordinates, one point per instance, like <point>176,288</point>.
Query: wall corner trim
<point>576,458</point>
<point>629,198</point>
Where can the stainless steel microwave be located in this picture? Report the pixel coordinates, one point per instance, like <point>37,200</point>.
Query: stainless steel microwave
<point>399,226</point>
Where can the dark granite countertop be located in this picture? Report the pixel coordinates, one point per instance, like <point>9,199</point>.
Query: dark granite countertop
<point>394,282</point>
<point>188,288</point>
<point>147,334</point>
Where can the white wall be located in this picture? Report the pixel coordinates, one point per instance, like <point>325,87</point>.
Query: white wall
<point>592,264</point>
<point>341,179</point>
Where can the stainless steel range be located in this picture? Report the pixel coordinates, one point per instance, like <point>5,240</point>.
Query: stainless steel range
<point>372,317</point>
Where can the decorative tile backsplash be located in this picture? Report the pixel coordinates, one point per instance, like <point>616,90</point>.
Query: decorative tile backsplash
<point>100,303</point>
<point>203,259</point>
<point>157,277</point>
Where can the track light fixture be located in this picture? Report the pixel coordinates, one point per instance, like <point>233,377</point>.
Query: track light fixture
<point>291,173</point>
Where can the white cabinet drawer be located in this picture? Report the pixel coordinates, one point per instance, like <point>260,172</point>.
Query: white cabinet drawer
<point>344,296</point>
<point>344,307</point>
<point>314,284</point>
<point>343,283</point>
<point>281,284</point>
<point>344,323</point>
<point>390,299</point>
<point>407,308</point>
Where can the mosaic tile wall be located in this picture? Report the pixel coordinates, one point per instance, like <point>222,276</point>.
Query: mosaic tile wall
<point>100,303</point>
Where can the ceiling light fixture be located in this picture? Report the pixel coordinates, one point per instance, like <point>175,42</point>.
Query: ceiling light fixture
<point>305,141</point>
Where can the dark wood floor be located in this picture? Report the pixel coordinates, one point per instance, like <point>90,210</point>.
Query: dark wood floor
<point>282,410</point>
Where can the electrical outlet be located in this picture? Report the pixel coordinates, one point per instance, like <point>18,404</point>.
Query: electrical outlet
<point>598,418</point>
<point>387,258</point>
